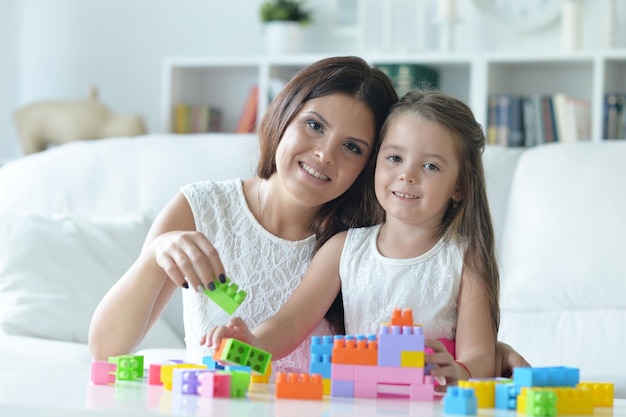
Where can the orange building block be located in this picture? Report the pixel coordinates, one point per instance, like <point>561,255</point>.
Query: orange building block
<point>299,386</point>
<point>355,352</point>
<point>402,317</point>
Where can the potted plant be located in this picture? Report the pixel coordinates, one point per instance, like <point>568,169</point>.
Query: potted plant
<point>282,22</point>
<point>285,10</point>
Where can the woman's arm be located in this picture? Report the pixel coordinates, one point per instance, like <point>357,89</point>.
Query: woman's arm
<point>172,251</point>
<point>304,309</point>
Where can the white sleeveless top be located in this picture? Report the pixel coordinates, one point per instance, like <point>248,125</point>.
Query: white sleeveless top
<point>267,267</point>
<point>372,285</point>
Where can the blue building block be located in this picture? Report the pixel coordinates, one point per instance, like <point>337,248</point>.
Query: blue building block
<point>558,376</point>
<point>211,364</point>
<point>322,345</point>
<point>460,401</point>
<point>320,364</point>
<point>506,396</point>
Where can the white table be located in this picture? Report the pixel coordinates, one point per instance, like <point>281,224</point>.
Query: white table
<point>65,391</point>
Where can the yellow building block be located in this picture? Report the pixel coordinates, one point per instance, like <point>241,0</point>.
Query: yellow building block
<point>601,392</point>
<point>326,386</point>
<point>167,373</point>
<point>485,392</point>
<point>411,359</point>
<point>262,379</point>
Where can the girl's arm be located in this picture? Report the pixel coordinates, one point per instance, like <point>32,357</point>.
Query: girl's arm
<point>305,308</point>
<point>475,337</point>
<point>172,251</point>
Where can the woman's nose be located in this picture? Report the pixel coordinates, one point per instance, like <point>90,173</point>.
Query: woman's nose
<point>325,153</point>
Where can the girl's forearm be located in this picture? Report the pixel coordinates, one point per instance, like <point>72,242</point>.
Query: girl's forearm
<point>477,365</point>
<point>278,337</point>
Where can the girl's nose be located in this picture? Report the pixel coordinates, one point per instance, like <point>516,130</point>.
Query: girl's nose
<point>407,177</point>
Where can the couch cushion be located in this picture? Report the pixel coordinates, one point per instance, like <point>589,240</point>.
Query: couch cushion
<point>55,269</point>
<point>563,278</point>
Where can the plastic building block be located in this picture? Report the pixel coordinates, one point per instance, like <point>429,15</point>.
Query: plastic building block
<point>239,383</point>
<point>322,345</point>
<point>302,386</point>
<point>213,384</point>
<point>423,392</point>
<point>395,339</point>
<point>320,364</point>
<point>602,393</point>
<point>569,401</point>
<point>185,381</point>
<point>540,403</point>
<point>226,295</point>
<point>102,372</point>
<point>402,317</point>
<point>262,379</point>
<point>460,401</point>
<point>167,372</point>
<point>485,392</point>
<point>506,396</point>
<point>237,353</point>
<point>341,388</point>
<point>211,364</point>
<point>412,359</point>
<point>355,350</point>
<point>129,367</point>
<point>558,376</point>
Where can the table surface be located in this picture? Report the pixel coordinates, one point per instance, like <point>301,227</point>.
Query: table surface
<point>66,391</point>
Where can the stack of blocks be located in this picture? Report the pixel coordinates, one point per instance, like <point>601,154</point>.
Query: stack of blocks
<point>537,392</point>
<point>359,366</point>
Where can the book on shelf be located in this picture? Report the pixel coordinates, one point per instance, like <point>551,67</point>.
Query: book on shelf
<point>614,116</point>
<point>406,77</point>
<point>247,120</point>
<point>521,120</point>
<point>199,118</point>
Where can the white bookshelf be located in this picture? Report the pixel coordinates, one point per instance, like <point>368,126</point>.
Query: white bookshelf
<point>226,81</point>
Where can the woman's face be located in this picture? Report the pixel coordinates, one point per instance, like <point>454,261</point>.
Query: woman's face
<point>325,148</point>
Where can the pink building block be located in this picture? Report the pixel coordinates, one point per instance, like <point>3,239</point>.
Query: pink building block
<point>388,374</point>
<point>102,372</point>
<point>214,384</point>
<point>154,374</point>
<point>423,392</point>
<point>341,372</point>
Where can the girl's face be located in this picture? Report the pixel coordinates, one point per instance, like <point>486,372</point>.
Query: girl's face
<point>416,171</point>
<point>325,148</point>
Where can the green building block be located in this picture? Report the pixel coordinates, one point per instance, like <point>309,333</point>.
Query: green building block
<point>541,403</point>
<point>238,353</point>
<point>239,383</point>
<point>128,367</point>
<point>226,295</point>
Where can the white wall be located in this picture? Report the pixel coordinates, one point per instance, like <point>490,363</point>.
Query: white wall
<point>57,49</point>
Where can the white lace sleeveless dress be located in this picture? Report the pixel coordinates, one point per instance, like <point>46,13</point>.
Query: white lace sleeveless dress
<point>372,285</point>
<point>267,267</point>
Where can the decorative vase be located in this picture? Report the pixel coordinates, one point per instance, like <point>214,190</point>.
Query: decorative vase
<point>282,37</point>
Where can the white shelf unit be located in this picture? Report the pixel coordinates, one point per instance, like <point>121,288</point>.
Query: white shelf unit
<point>226,81</point>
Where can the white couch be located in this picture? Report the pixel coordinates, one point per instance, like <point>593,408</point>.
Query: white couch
<point>558,212</point>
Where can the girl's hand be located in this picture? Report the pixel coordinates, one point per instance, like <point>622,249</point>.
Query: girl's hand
<point>188,259</point>
<point>236,329</point>
<point>507,358</point>
<point>443,363</point>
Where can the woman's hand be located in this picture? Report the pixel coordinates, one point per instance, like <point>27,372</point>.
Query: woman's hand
<point>236,329</point>
<point>443,364</point>
<point>507,358</point>
<point>188,259</point>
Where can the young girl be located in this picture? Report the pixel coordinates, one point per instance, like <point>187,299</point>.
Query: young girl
<point>433,253</point>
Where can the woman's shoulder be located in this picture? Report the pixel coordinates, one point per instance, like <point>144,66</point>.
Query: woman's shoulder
<point>211,186</point>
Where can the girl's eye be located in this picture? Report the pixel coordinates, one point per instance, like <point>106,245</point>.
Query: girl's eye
<point>431,167</point>
<point>354,148</point>
<point>394,158</point>
<point>314,125</point>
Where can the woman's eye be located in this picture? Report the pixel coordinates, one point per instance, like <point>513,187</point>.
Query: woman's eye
<point>431,167</point>
<point>314,125</point>
<point>354,148</point>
